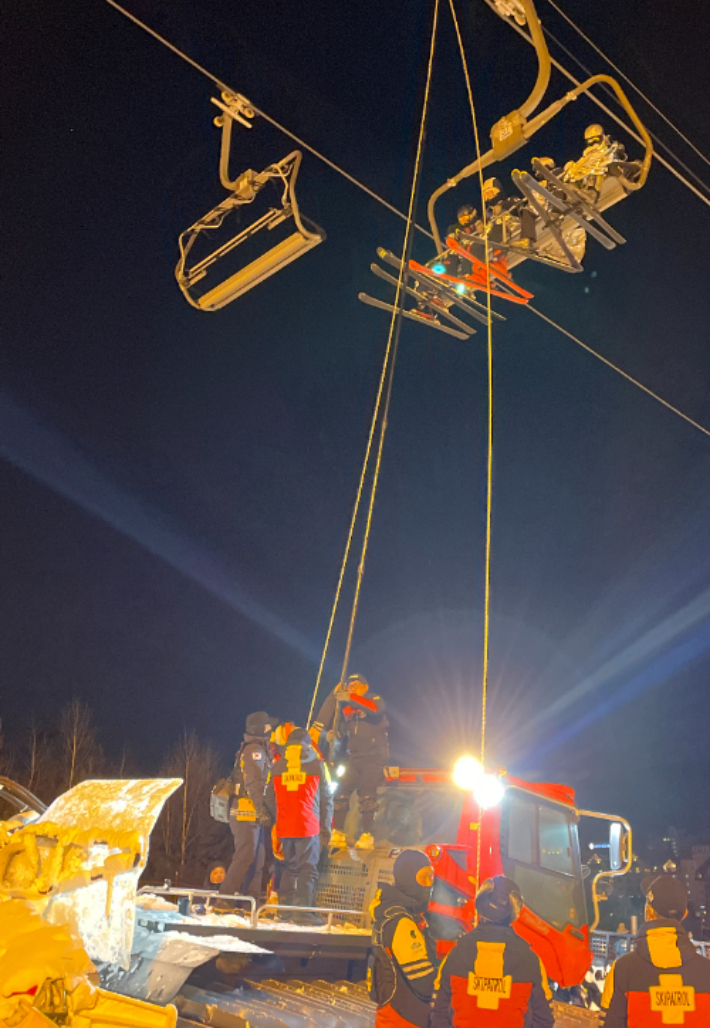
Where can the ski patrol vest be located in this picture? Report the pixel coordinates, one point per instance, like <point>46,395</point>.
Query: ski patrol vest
<point>665,981</point>
<point>492,979</point>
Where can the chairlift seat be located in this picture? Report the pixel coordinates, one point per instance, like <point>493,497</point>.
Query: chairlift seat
<point>304,237</point>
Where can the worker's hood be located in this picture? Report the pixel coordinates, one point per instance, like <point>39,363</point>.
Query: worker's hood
<point>664,943</point>
<point>406,891</point>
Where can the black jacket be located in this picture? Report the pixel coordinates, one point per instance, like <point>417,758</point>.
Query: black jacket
<point>403,962</point>
<point>664,978</point>
<point>252,767</point>
<point>493,970</point>
<point>359,720</point>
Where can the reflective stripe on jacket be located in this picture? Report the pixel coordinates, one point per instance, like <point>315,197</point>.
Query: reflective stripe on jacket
<point>251,775</point>
<point>402,969</point>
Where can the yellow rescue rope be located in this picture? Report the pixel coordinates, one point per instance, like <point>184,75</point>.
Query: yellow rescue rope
<point>386,377</point>
<point>489,445</point>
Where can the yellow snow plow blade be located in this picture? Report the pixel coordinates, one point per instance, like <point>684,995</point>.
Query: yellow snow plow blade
<point>46,978</point>
<point>80,862</point>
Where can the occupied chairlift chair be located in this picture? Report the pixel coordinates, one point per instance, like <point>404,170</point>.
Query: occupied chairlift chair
<point>243,191</point>
<point>561,212</point>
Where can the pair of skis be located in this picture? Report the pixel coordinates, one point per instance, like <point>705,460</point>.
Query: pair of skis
<point>434,297</point>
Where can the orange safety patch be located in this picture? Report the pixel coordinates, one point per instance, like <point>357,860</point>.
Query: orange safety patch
<point>672,998</point>
<point>486,982</point>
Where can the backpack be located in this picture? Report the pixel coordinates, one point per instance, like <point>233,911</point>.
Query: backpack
<point>381,966</point>
<point>225,790</point>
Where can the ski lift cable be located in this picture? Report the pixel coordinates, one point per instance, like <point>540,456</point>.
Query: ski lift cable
<point>602,106</point>
<point>489,422</point>
<point>400,214</point>
<point>654,137</point>
<point>620,371</point>
<point>626,79</point>
<point>395,329</point>
<point>262,114</point>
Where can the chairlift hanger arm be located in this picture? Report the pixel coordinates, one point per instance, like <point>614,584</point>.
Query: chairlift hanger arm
<point>518,130</point>
<point>526,109</point>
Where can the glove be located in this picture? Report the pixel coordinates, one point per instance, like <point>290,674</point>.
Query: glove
<point>276,846</point>
<point>264,820</point>
<point>314,732</point>
<point>325,838</point>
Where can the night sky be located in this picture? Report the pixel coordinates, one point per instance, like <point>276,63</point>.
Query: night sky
<point>175,486</point>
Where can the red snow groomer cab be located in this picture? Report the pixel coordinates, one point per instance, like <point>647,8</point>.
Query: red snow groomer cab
<point>528,832</point>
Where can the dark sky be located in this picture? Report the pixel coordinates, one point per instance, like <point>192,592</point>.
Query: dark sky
<point>175,487</point>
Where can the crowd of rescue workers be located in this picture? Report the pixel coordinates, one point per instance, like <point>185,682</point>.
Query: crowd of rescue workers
<point>282,813</point>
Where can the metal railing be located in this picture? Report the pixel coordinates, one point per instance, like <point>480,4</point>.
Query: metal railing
<point>328,912</point>
<point>607,946</point>
<point>185,897</point>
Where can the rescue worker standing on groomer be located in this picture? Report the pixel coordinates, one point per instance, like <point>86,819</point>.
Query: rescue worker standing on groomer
<point>300,787</point>
<point>402,967</point>
<point>664,980</point>
<point>356,715</point>
<point>492,977</point>
<point>249,816</point>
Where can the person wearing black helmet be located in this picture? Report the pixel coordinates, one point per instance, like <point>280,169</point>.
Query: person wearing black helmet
<point>402,964</point>
<point>355,715</point>
<point>491,975</point>
<point>250,819</point>
<point>664,980</point>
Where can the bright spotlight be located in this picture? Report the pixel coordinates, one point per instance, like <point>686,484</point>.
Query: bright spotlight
<point>340,770</point>
<point>488,791</point>
<point>438,269</point>
<point>467,772</point>
<point>460,288</point>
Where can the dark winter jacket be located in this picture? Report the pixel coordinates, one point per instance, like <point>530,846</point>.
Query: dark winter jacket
<point>664,981</point>
<point>252,767</point>
<point>361,721</point>
<point>299,788</point>
<point>403,963</point>
<point>492,978</point>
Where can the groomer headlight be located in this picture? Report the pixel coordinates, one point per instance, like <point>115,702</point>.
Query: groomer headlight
<point>488,791</point>
<point>467,772</point>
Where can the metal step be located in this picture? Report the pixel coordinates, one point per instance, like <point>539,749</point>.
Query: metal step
<point>274,1004</point>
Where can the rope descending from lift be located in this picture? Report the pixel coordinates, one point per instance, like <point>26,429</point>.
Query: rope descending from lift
<point>386,379</point>
<point>489,441</point>
<point>394,332</point>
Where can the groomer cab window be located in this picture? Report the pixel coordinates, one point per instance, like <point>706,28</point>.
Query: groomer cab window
<point>540,852</point>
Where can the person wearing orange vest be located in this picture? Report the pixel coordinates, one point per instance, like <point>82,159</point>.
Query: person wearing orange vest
<point>492,978</point>
<point>664,980</point>
<point>300,788</point>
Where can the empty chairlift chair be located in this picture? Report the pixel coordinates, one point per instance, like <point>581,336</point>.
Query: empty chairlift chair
<point>269,241</point>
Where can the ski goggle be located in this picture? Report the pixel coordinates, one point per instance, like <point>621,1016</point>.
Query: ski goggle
<point>425,876</point>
